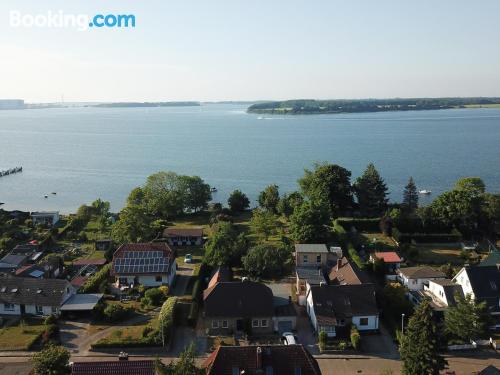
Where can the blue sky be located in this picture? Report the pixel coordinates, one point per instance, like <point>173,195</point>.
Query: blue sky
<point>246,50</point>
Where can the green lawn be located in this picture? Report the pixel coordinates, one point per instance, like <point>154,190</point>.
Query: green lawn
<point>130,334</point>
<point>378,240</point>
<point>20,337</point>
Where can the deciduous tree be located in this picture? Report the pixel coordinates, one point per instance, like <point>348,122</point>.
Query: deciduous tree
<point>466,320</point>
<point>238,201</point>
<point>52,360</point>
<point>269,198</point>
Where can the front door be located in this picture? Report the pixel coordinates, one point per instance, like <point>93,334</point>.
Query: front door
<point>23,309</point>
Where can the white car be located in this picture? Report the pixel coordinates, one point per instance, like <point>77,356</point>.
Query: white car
<point>188,258</point>
<point>288,338</point>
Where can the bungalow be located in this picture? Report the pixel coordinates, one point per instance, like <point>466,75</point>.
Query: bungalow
<point>25,295</point>
<point>237,307</point>
<point>260,360</point>
<point>391,259</point>
<point>183,236</point>
<point>313,255</point>
<point>148,264</point>
<point>46,217</point>
<point>103,245</point>
<point>333,307</point>
<point>414,278</point>
<point>483,284</point>
<point>345,273</point>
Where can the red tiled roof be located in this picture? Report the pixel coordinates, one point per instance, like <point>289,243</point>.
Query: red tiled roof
<point>283,359</point>
<point>78,281</point>
<point>388,256</point>
<point>346,274</point>
<point>93,262</point>
<point>143,367</point>
<point>185,232</point>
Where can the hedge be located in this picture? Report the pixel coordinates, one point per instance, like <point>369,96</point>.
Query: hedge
<point>93,283</point>
<point>166,318</point>
<point>454,236</point>
<point>361,225</point>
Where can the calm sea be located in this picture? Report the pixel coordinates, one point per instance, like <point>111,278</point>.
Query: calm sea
<point>86,153</point>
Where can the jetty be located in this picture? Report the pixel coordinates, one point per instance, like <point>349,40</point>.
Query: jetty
<point>14,170</point>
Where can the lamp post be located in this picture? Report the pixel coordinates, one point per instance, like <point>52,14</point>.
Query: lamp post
<point>402,323</point>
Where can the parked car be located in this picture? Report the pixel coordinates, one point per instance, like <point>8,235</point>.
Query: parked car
<point>288,338</point>
<point>188,258</point>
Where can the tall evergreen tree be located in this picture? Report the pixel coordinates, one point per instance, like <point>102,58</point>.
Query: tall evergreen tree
<point>371,192</point>
<point>419,344</point>
<point>410,196</point>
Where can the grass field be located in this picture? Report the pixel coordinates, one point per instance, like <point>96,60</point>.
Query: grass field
<point>482,106</point>
<point>378,240</point>
<point>20,337</point>
<point>439,255</point>
<point>132,333</point>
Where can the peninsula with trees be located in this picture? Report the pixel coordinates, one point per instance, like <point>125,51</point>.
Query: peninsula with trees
<point>312,107</point>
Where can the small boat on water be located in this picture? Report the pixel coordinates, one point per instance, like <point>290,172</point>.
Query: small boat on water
<point>425,192</point>
<point>213,190</point>
<point>45,196</point>
<point>53,193</point>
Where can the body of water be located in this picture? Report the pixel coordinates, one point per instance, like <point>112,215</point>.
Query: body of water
<point>86,153</point>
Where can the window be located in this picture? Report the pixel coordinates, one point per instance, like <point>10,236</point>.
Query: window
<point>341,322</point>
<point>255,323</point>
<point>363,321</point>
<point>8,306</point>
<point>215,324</point>
<point>158,279</point>
<point>304,258</point>
<point>263,323</point>
<point>67,290</point>
<point>39,310</point>
<point>54,310</point>
<point>318,258</point>
<point>224,324</point>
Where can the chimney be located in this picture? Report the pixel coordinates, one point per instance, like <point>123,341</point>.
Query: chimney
<point>259,358</point>
<point>339,263</point>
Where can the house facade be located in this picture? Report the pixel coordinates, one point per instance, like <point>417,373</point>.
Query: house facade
<point>482,283</point>
<point>148,264</point>
<point>183,236</point>
<point>26,295</point>
<point>414,278</point>
<point>46,218</point>
<point>313,255</point>
<point>442,293</point>
<point>236,306</point>
<point>345,273</point>
<point>333,307</point>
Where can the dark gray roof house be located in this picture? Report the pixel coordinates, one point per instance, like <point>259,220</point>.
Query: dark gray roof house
<point>30,291</point>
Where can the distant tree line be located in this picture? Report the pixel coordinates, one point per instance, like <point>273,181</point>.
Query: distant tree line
<point>310,106</point>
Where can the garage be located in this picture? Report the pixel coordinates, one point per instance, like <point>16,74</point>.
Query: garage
<point>285,326</point>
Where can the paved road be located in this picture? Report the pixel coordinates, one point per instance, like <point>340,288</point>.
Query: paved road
<point>182,277</point>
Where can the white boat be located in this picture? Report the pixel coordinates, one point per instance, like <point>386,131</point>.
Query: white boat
<point>426,192</point>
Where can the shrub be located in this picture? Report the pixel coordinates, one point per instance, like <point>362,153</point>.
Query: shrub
<point>342,345</point>
<point>147,330</point>
<point>323,337</point>
<point>50,332</point>
<point>51,319</point>
<point>355,337</point>
<point>114,312</point>
<point>154,297</point>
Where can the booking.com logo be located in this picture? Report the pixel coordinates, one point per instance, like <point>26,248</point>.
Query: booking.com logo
<point>81,22</point>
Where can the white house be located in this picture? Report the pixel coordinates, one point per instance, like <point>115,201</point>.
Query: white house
<point>414,278</point>
<point>148,264</point>
<point>45,217</point>
<point>26,295</point>
<point>332,307</point>
<point>442,292</point>
<point>183,236</point>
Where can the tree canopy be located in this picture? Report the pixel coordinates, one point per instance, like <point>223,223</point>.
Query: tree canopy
<point>267,261</point>
<point>328,185</point>
<point>238,201</point>
<point>263,223</point>
<point>410,196</point>
<point>371,192</point>
<point>269,198</point>
<point>466,320</point>
<point>52,360</point>
<point>225,246</point>
<point>308,223</point>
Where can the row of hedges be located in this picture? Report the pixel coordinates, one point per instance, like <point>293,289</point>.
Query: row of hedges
<point>346,243</point>
<point>361,225</point>
<point>166,318</point>
<point>93,284</point>
<point>454,236</point>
